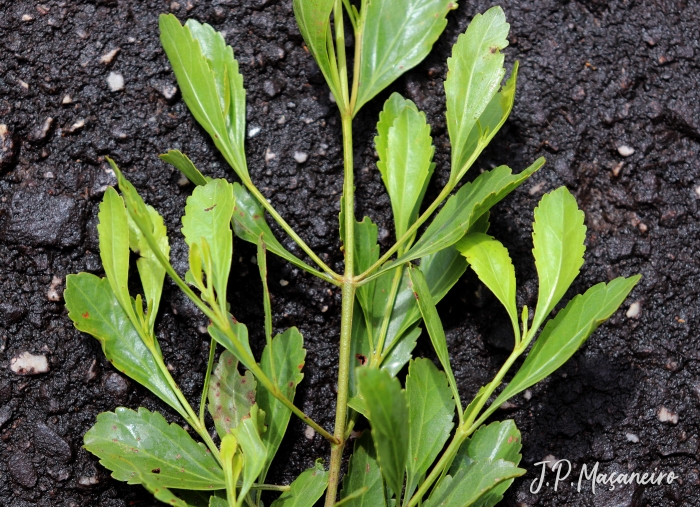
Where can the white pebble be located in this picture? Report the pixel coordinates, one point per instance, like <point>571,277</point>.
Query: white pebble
<point>88,481</point>
<point>67,99</point>
<point>284,283</point>
<point>697,190</point>
<point>309,433</point>
<point>108,57</point>
<point>536,189</point>
<point>27,17</point>
<point>634,310</point>
<point>115,81</point>
<point>666,415</point>
<point>29,364</point>
<point>23,84</point>
<point>527,395</point>
<point>269,155</point>
<point>168,91</point>
<point>53,294</point>
<point>324,308</point>
<point>254,131</point>
<point>76,126</point>
<point>49,175</point>
<point>300,157</point>
<point>625,150</point>
<point>631,437</point>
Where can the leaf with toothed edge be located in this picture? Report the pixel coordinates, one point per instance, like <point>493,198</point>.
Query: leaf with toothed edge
<point>306,489</point>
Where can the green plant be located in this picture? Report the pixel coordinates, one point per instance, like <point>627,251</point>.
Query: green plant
<point>415,454</point>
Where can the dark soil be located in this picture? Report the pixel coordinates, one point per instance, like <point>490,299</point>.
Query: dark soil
<point>595,75</point>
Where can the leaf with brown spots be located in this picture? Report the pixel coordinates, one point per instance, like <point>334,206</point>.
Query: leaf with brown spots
<point>231,395</point>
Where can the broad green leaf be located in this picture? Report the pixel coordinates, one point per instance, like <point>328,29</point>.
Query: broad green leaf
<point>94,309</point>
<point>401,352</point>
<point>388,413</point>
<point>286,360</point>
<point>314,20</point>
<point>159,492</point>
<point>490,261</point>
<point>254,451</point>
<point>475,72</point>
<point>182,163</point>
<point>134,444</point>
<point>464,208</point>
<point>197,77</point>
<point>558,236</point>
<point>472,483</point>
<point>305,489</point>
<point>231,395</point>
<point>216,501</point>
<point>249,223</point>
<point>208,216</point>
<point>238,345</point>
<point>405,157</point>
<point>396,36</point>
<point>113,231</point>
<point>430,413</point>
<point>565,333</point>
<point>433,324</point>
<point>366,254</point>
<point>202,498</point>
<point>229,85</point>
<point>363,472</point>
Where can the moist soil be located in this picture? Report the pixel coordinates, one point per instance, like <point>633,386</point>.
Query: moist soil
<point>595,77</point>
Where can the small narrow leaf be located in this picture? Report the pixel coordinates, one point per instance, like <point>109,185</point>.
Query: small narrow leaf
<point>388,413</point>
<point>231,395</point>
<point>558,235</point>
<point>238,345</point>
<point>131,444</point>
<point>254,451</point>
<point>401,352</point>
<point>183,164</point>
<point>306,489</point>
<point>430,413</point>
<point>159,492</point>
<point>366,254</point>
<point>363,472</point>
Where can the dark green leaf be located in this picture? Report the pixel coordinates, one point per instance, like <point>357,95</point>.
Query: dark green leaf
<point>366,254</point>
<point>231,395</point>
<point>183,164</point>
<point>388,413</point>
<point>397,35</point>
<point>363,472</point>
<point>401,352</point>
<point>158,491</point>
<point>306,489</point>
<point>430,413</point>
<point>134,444</point>
<point>94,309</point>
<point>239,345</point>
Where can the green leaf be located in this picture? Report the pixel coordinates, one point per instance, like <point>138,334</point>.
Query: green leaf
<point>216,501</point>
<point>159,492</point>
<point>475,72</point>
<point>430,413</point>
<point>464,208</point>
<point>94,309</point>
<point>199,79</point>
<point>388,413</point>
<point>313,18</point>
<point>305,489</point>
<point>405,153</point>
<point>208,217</point>
<point>366,253</point>
<point>254,451</point>
<point>558,235</point>
<point>231,395</point>
<point>564,334</point>
<point>134,444</point>
<point>286,359</point>
<point>490,261</point>
<point>239,346</point>
<point>113,232</point>
<point>433,324</point>
<point>472,483</point>
<point>396,36</point>
<point>249,223</point>
<point>363,472</point>
<point>401,352</point>
<point>183,164</point>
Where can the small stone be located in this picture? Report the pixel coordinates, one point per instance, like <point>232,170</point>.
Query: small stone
<point>5,415</point>
<point>23,84</point>
<point>625,150</point>
<point>67,99</point>
<point>29,364</point>
<point>309,433</point>
<point>324,308</point>
<point>697,191</point>
<point>300,157</point>
<point>254,131</point>
<point>666,415</point>
<point>634,310</point>
<point>617,168</point>
<point>49,175</point>
<point>22,470</point>
<point>108,57</point>
<point>53,294</point>
<point>631,437</point>
<point>41,131</point>
<point>115,81</point>
<point>168,91</point>
<point>86,481</point>
<point>116,385</point>
<point>536,189</point>
<point>8,148</point>
<point>27,17</point>
<point>642,227</point>
<point>284,283</point>
<point>75,127</point>
<point>269,155</point>
<point>527,395</point>
<point>174,6</point>
<point>50,444</point>
<point>273,87</point>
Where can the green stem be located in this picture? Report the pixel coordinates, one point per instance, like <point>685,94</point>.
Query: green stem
<point>207,380</point>
<point>378,354</point>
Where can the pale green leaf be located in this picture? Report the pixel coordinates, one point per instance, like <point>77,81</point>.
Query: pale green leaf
<point>305,489</point>
<point>238,345</point>
<point>159,492</point>
<point>363,472</point>
<point>401,352</point>
<point>558,236</point>
<point>396,36</point>
<point>254,451</point>
<point>231,395</point>
<point>131,444</point>
<point>183,164</point>
<point>366,253</point>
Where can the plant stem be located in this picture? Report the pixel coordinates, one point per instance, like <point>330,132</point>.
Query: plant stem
<point>378,353</point>
<point>207,380</point>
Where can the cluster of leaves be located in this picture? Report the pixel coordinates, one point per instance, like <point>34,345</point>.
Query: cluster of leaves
<point>426,447</point>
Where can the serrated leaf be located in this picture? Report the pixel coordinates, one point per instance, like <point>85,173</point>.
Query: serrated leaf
<point>254,451</point>
<point>564,334</point>
<point>471,483</point>
<point>286,360</point>
<point>94,309</point>
<point>363,472</point>
<point>182,163</point>
<point>401,352</point>
<point>197,78</point>
<point>475,72</point>
<point>558,235</point>
<point>161,493</point>
<point>388,413</point>
<point>305,489</point>
<point>134,444</point>
<point>405,153</point>
<point>231,395</point>
<point>208,216</point>
<point>464,208</point>
<point>396,36</point>
<point>491,262</point>
<point>430,413</point>
<point>239,345</point>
